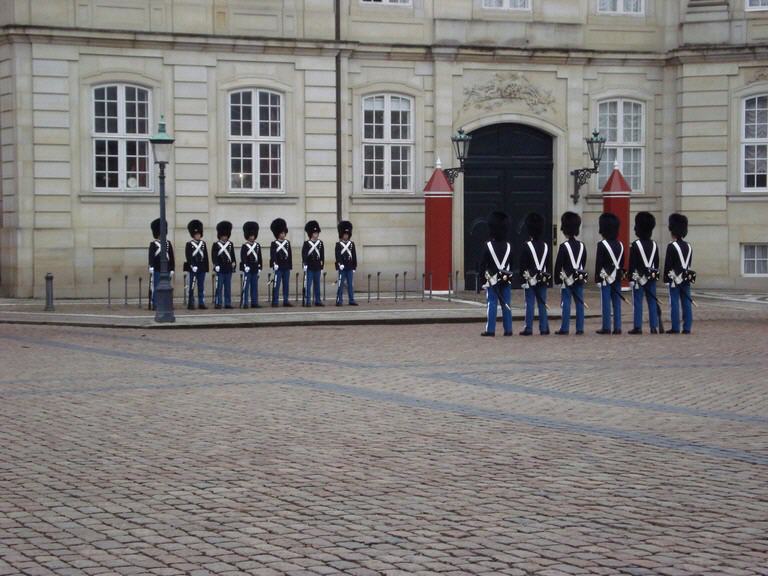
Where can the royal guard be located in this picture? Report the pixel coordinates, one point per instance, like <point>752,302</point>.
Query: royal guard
<point>609,272</point>
<point>223,257</point>
<point>153,259</point>
<point>495,264</point>
<point>196,264</point>
<point>280,260</point>
<point>536,274</point>
<point>678,274</point>
<point>346,263</point>
<point>250,265</point>
<point>644,272</point>
<point>570,272</point>
<point>313,260</point>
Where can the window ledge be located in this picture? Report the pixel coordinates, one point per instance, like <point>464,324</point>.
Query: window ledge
<point>748,197</point>
<point>250,198</point>
<point>387,198</point>
<point>117,196</point>
<point>634,198</point>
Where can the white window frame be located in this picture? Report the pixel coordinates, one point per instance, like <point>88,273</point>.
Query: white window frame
<point>620,144</point>
<point>506,5</point>
<point>122,137</point>
<point>255,140</point>
<point>750,8</point>
<point>388,142</point>
<point>744,260</point>
<point>387,2</point>
<point>620,11</point>
<point>744,142</point>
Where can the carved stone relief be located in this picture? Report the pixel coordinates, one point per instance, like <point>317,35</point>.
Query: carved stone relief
<point>505,87</point>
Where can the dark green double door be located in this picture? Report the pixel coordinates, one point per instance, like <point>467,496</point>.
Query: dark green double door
<point>509,168</point>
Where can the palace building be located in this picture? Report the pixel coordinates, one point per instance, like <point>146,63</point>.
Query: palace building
<point>329,109</point>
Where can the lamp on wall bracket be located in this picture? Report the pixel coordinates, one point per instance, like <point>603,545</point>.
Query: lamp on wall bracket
<point>461,142</point>
<point>596,149</point>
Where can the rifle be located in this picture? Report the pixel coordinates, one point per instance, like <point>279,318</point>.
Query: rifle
<point>192,284</point>
<point>304,301</point>
<point>243,287</point>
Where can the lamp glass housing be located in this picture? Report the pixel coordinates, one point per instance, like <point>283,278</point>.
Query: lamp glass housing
<point>596,147</point>
<point>162,143</point>
<point>461,142</point>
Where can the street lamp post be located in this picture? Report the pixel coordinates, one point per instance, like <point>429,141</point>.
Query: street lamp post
<point>596,149</point>
<point>161,150</point>
<point>461,142</point>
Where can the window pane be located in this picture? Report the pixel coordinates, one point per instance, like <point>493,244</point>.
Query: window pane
<point>269,165</point>
<point>633,6</point>
<point>631,167</point>
<point>606,167</point>
<point>607,5</point>
<point>755,165</point>
<point>373,167</point>
<point>373,117</point>
<point>400,167</point>
<point>400,118</point>
<point>241,166</point>
<point>136,163</point>
<point>608,120</point>
<point>632,122</point>
<point>105,110</point>
<point>136,112</point>
<point>269,114</point>
<point>106,163</point>
<point>240,114</point>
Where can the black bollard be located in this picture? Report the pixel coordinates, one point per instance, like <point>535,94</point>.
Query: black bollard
<point>49,292</point>
<point>139,291</point>
<point>430,285</point>
<point>369,288</point>
<point>449,286</point>
<point>109,292</point>
<point>456,283</point>
<point>324,278</point>
<point>423,285</point>
<point>126,290</point>
<point>397,275</point>
<point>378,286</point>
<point>297,287</point>
<point>405,286</point>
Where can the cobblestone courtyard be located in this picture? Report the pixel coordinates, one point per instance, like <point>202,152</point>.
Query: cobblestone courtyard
<point>385,450</point>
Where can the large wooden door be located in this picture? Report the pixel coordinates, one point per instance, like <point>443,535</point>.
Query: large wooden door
<point>509,168</point>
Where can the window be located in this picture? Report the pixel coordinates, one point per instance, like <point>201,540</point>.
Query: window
<point>121,138</point>
<point>754,144</point>
<point>621,123</point>
<point>754,259</point>
<point>401,2</point>
<point>256,141</point>
<point>620,6</point>
<point>507,4</point>
<point>757,4</point>
<point>387,143</point>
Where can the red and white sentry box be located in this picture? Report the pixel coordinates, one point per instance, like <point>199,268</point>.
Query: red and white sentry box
<point>616,195</point>
<point>438,222</point>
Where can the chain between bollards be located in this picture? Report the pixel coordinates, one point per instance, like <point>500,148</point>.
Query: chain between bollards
<point>49,292</point>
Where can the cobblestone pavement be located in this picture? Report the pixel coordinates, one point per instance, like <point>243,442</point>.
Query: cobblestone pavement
<point>385,450</point>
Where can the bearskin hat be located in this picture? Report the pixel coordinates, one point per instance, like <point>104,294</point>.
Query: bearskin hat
<point>534,224</point>
<point>278,225</point>
<point>345,227</point>
<point>155,226</point>
<point>608,226</point>
<point>644,225</point>
<point>678,225</point>
<point>311,227</point>
<point>570,223</point>
<point>497,226</point>
<point>224,228</point>
<point>251,228</point>
<point>195,227</point>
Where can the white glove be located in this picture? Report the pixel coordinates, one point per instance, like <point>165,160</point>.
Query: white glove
<point>194,269</point>
<point>151,269</point>
<point>305,267</point>
<point>171,273</point>
<point>216,268</point>
<point>276,267</point>
<point>247,269</point>
<point>341,266</point>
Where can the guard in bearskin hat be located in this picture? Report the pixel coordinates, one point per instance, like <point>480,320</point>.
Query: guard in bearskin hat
<point>609,271</point>
<point>678,274</point>
<point>644,272</point>
<point>570,272</point>
<point>313,260</point>
<point>495,264</point>
<point>196,264</point>
<point>536,274</point>
<point>250,265</point>
<point>280,260</point>
<point>346,263</point>
<point>223,256</point>
<point>153,259</point>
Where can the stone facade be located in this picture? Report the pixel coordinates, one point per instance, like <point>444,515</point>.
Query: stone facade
<point>690,64</point>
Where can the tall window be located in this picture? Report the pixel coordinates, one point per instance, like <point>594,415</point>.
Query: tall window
<point>256,141</point>
<point>757,4</point>
<point>754,144</point>
<point>620,6</point>
<point>387,143</point>
<point>121,138</point>
<point>508,4</point>
<point>754,259</point>
<point>621,123</point>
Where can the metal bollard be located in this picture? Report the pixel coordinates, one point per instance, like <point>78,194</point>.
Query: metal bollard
<point>397,276</point>
<point>139,291</point>
<point>369,288</point>
<point>324,275</point>
<point>126,290</point>
<point>423,285</point>
<point>405,288</point>
<point>213,289</point>
<point>430,285</point>
<point>109,292</point>
<point>297,288</point>
<point>49,292</point>
<point>378,286</point>
<point>449,286</point>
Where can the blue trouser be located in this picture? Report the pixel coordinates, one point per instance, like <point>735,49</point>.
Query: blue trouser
<point>155,282</point>
<point>610,297</point>
<point>313,286</point>
<point>199,279</point>
<point>536,295</point>
<point>575,291</point>
<point>251,288</point>
<point>223,284</point>
<point>680,296</point>
<point>282,276</point>
<point>649,291</point>
<point>506,313</point>
<point>345,276</point>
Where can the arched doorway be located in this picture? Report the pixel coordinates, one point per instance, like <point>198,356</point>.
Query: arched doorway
<point>509,168</point>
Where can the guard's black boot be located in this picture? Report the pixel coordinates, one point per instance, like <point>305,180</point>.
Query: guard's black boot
<point>561,332</point>
<point>526,332</point>
<point>602,331</point>
<point>635,331</point>
<point>491,334</point>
